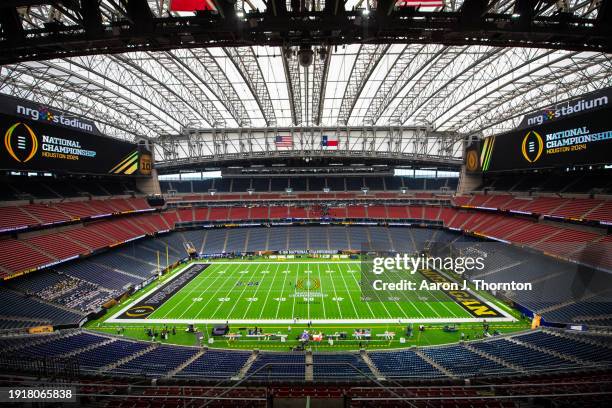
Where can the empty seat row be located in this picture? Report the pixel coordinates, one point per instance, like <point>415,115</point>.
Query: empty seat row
<point>311,184</point>
<point>589,209</point>
<point>36,215</point>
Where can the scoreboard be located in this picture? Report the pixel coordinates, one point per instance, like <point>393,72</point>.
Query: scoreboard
<point>38,138</point>
<point>583,137</point>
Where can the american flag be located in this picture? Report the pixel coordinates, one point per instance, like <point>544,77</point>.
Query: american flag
<point>283,141</point>
<point>420,3</point>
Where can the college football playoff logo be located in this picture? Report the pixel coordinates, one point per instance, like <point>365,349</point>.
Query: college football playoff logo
<point>532,146</point>
<point>140,311</point>
<point>20,142</point>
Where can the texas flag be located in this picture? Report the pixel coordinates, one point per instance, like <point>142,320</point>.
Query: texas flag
<point>329,140</point>
<point>191,5</point>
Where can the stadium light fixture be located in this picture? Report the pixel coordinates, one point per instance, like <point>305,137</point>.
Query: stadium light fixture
<point>305,55</point>
<point>366,10</point>
<point>322,53</point>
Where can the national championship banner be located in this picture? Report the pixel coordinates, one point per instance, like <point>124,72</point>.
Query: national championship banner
<point>37,138</point>
<point>580,139</point>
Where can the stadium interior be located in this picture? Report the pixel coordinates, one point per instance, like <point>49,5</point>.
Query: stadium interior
<point>192,191</point>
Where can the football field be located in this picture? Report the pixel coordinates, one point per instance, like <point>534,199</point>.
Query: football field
<point>263,292</point>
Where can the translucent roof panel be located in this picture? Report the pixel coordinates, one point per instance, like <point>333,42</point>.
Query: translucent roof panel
<point>462,89</point>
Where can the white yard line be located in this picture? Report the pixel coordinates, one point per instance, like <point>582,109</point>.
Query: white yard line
<point>253,295</point>
<point>407,297</point>
<point>443,302</point>
<point>429,304</point>
<point>239,297</point>
<point>347,289</point>
<point>211,297</point>
<point>336,297</point>
<point>308,291</point>
<point>297,277</point>
<point>440,300</point>
<point>321,290</point>
<point>278,304</point>
<point>190,292</point>
<point>268,292</point>
<point>367,303</point>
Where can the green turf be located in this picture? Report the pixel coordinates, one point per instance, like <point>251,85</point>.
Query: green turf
<point>321,291</point>
<point>324,291</point>
<point>433,335</point>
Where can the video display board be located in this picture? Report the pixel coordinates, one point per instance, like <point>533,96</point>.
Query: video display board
<point>581,139</point>
<point>472,157</point>
<point>39,139</point>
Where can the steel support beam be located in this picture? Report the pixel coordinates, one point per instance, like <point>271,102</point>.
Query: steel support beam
<point>245,61</point>
<point>319,84</point>
<point>137,28</point>
<point>406,144</point>
<point>294,88</point>
<point>367,60</point>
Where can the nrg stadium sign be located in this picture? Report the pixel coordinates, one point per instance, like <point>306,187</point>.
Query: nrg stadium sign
<point>43,114</point>
<point>56,118</point>
<point>585,103</point>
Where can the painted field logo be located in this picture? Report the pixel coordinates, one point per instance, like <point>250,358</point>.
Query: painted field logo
<point>308,284</point>
<point>21,142</point>
<point>140,311</point>
<point>532,146</point>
